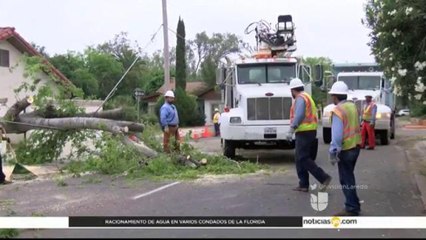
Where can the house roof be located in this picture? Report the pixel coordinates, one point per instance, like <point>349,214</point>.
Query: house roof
<point>196,88</point>
<point>9,34</point>
<point>211,93</point>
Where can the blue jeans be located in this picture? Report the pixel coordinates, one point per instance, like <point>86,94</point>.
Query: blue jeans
<point>346,166</point>
<point>305,164</point>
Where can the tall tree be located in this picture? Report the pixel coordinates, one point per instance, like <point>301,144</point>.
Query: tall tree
<point>181,56</point>
<point>205,53</point>
<point>399,45</point>
<point>319,96</point>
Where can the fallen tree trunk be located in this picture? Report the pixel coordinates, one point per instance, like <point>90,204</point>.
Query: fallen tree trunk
<point>113,114</point>
<point>26,123</point>
<point>15,122</point>
<point>140,147</point>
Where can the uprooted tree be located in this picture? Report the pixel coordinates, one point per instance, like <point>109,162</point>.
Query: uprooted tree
<point>56,120</point>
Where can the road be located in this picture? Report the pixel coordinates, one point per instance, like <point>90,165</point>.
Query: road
<point>387,189</point>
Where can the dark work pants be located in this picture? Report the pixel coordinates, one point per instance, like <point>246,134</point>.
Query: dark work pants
<point>2,176</point>
<point>217,129</point>
<point>306,143</point>
<point>346,166</point>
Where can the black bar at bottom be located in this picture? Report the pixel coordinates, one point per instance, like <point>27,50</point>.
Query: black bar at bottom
<point>185,222</point>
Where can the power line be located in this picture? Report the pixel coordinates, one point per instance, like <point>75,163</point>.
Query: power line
<point>114,89</point>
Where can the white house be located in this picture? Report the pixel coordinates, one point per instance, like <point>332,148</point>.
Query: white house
<point>12,69</point>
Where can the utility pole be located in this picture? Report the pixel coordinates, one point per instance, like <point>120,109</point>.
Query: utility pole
<point>166,47</point>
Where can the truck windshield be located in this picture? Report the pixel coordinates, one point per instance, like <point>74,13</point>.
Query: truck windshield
<point>266,73</point>
<point>361,82</point>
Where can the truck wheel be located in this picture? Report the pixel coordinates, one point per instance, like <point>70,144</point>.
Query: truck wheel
<point>384,139</point>
<point>326,135</point>
<point>228,149</point>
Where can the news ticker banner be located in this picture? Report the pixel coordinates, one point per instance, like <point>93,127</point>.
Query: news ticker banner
<point>214,222</point>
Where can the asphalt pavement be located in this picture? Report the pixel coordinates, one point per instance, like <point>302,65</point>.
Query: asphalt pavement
<point>386,188</point>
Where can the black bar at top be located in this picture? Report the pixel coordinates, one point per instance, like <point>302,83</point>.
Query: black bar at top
<point>185,221</point>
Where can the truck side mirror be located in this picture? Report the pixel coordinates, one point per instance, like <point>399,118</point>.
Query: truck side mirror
<point>319,74</point>
<point>220,75</point>
<point>305,73</point>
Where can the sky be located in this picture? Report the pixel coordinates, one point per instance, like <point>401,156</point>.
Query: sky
<point>330,28</point>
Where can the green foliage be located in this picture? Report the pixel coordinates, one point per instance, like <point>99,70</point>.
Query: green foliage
<point>115,158</point>
<point>187,107</point>
<point>151,119</point>
<point>60,182</point>
<point>418,110</point>
<point>181,56</point>
<point>47,145</point>
<point>398,43</point>
<point>156,79</point>
<point>125,53</point>
<point>208,71</point>
<point>9,233</point>
<point>127,103</point>
<point>87,82</point>
<point>318,94</point>
<point>106,69</point>
<point>74,67</point>
<point>204,53</point>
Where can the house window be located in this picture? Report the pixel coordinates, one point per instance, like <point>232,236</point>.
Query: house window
<point>4,58</point>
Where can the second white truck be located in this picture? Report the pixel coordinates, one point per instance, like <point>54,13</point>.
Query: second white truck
<point>362,80</point>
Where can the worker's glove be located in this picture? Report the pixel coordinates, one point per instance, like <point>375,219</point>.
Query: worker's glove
<point>290,134</point>
<point>333,158</point>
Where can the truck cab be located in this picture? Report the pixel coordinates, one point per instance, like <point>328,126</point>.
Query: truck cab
<point>360,84</point>
<point>257,94</point>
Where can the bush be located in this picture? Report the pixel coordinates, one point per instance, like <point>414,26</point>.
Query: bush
<point>189,113</point>
<point>418,110</point>
<point>151,119</point>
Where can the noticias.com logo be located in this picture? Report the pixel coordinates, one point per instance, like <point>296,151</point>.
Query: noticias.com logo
<point>334,221</point>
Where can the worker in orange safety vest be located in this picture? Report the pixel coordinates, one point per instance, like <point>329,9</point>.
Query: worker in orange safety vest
<point>304,123</point>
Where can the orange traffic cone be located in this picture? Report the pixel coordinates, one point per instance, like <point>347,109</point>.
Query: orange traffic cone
<point>206,132</point>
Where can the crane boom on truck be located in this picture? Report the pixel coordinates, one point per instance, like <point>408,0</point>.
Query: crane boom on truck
<point>365,79</point>
<point>256,92</point>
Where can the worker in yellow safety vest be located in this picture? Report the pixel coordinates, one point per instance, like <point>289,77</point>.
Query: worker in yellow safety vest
<point>345,145</point>
<point>303,124</point>
<point>216,123</point>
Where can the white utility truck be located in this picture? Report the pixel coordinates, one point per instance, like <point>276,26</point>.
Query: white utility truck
<point>365,79</point>
<point>256,93</point>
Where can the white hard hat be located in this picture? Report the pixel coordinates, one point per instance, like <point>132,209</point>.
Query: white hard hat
<point>216,109</point>
<point>295,83</point>
<point>169,94</point>
<point>339,88</point>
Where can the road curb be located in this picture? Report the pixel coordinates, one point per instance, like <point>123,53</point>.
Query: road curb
<point>418,150</point>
